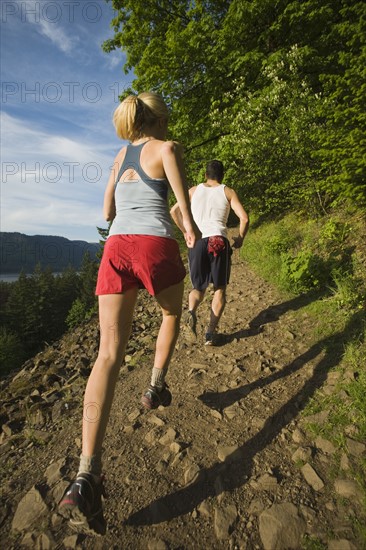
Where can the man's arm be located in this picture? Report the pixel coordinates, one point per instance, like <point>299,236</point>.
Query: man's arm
<point>236,205</point>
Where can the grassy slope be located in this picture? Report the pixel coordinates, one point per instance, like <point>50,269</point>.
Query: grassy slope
<point>325,259</point>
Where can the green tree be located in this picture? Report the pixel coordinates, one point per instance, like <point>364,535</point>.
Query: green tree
<point>225,66</point>
<point>45,314</point>
<point>171,48</point>
<point>274,132</point>
<point>343,141</point>
<point>38,305</point>
<point>12,351</point>
<point>4,296</point>
<point>77,314</point>
<point>85,303</point>
<point>103,233</point>
<point>67,288</point>
<point>88,278</point>
<point>21,314</point>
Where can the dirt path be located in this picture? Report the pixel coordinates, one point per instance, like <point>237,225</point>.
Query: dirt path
<point>227,465</point>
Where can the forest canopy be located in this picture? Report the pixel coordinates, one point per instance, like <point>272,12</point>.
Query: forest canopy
<point>273,88</point>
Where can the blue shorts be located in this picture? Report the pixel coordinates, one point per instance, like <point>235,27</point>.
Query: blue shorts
<point>207,265</point>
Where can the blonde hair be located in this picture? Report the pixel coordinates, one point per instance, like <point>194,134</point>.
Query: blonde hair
<point>137,113</point>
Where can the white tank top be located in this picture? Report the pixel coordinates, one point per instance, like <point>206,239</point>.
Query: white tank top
<point>210,209</point>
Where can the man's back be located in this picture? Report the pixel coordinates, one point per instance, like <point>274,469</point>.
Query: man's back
<point>210,209</point>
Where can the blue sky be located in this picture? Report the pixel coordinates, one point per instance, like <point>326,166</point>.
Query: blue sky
<point>59,91</point>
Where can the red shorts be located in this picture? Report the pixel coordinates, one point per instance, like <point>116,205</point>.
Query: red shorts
<point>141,261</point>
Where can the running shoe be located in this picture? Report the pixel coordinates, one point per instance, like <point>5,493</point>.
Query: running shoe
<point>153,398</point>
<point>82,505</point>
<point>215,339</point>
<point>209,339</point>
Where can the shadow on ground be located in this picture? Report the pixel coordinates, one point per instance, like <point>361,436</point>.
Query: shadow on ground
<point>271,314</point>
<point>223,475</point>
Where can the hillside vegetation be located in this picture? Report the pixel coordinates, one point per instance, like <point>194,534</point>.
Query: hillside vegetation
<point>38,308</point>
<point>276,90</point>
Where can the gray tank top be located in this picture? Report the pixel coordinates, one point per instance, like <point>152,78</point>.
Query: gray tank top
<point>141,203</point>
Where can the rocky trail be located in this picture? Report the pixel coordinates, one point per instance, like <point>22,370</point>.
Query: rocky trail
<point>231,464</point>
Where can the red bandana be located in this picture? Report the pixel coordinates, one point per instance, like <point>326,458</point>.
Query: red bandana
<point>216,245</point>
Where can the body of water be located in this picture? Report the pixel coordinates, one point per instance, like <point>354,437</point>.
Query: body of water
<point>9,277</point>
<point>12,277</point>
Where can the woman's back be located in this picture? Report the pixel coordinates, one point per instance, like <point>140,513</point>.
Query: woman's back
<point>141,199</point>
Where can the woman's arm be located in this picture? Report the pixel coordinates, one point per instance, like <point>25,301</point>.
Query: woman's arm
<point>174,170</point>
<point>176,214</point>
<point>177,217</point>
<point>109,205</point>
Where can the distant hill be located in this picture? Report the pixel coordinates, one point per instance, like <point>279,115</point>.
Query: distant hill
<point>23,252</point>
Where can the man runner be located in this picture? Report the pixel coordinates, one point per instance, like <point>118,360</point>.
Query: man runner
<point>210,259</point>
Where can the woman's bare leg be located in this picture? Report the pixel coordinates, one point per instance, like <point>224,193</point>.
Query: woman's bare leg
<point>170,301</point>
<point>115,317</point>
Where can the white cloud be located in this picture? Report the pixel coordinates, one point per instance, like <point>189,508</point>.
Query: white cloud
<point>46,18</point>
<point>115,59</point>
<point>51,184</point>
<point>58,36</point>
<point>56,153</point>
<point>67,217</point>
<point>22,142</point>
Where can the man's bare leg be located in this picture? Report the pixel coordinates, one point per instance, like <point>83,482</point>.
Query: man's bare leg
<point>217,309</point>
<point>194,299</point>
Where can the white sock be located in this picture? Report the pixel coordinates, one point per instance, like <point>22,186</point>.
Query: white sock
<point>157,378</point>
<point>90,465</point>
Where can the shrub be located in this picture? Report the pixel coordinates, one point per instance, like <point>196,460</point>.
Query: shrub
<point>77,314</point>
<point>304,271</point>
